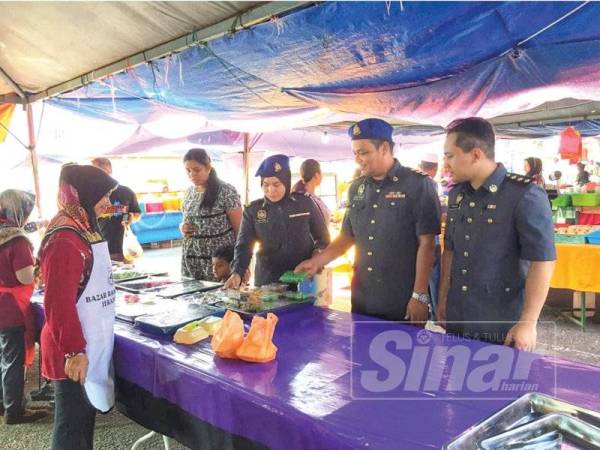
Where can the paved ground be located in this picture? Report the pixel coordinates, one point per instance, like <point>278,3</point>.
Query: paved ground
<point>114,431</point>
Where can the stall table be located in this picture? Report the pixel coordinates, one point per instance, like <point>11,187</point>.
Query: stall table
<point>303,399</point>
<point>577,268</point>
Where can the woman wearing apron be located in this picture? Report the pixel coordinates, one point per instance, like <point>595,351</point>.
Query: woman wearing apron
<point>77,338</point>
<point>212,213</point>
<point>17,329</point>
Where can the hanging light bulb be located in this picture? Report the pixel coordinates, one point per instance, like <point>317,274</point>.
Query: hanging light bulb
<point>325,138</point>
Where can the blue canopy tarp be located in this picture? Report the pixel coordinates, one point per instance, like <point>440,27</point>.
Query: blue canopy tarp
<point>414,62</point>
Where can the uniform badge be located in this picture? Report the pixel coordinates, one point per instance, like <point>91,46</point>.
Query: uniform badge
<point>277,167</point>
<point>493,188</point>
<point>261,215</point>
<point>395,178</point>
<point>459,197</point>
<point>356,130</point>
<point>361,189</point>
<point>395,195</point>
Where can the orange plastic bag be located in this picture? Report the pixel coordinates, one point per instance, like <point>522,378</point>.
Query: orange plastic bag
<point>229,336</point>
<point>258,345</point>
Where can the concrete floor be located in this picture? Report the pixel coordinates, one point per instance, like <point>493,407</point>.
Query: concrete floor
<point>556,336</point>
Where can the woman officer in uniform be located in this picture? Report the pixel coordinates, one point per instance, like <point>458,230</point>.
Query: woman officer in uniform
<point>288,226</point>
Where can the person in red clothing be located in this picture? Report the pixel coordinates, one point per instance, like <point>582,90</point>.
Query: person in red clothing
<point>17,344</point>
<point>77,338</point>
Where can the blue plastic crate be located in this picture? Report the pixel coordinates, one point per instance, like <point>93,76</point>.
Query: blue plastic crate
<point>593,238</point>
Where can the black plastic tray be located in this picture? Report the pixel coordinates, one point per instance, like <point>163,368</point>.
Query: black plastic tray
<point>168,322</point>
<point>182,288</point>
<point>275,306</point>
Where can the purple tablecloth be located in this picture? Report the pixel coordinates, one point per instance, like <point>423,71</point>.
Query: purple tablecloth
<point>303,400</point>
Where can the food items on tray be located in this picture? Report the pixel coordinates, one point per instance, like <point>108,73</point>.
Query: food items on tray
<point>120,275</point>
<point>290,277</point>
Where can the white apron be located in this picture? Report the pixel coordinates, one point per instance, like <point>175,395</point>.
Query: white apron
<point>96,310</point>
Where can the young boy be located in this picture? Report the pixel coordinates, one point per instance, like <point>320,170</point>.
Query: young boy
<point>221,260</point>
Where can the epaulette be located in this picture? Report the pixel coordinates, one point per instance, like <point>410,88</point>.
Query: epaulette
<point>520,179</point>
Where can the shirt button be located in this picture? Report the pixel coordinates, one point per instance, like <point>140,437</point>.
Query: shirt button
<point>370,238</point>
<point>490,221</point>
<point>465,288</point>
<point>467,237</point>
<point>463,271</point>
<point>370,269</point>
<point>377,190</point>
<point>373,221</point>
<point>472,204</point>
<point>469,220</point>
<point>370,253</point>
<point>393,203</point>
<point>507,290</point>
<point>466,254</point>
<point>375,205</point>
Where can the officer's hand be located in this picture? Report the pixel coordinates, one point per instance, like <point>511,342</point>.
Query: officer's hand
<point>522,336</point>
<point>188,229</point>
<point>233,282</point>
<point>440,313</point>
<point>416,312</point>
<point>310,267</point>
<point>76,368</point>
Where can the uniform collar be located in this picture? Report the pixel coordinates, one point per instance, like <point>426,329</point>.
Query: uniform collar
<point>495,179</point>
<point>392,175</point>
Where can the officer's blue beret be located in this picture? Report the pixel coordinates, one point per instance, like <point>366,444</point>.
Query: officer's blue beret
<point>273,166</point>
<point>371,129</point>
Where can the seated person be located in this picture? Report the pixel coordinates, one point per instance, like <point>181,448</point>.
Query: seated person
<point>221,260</point>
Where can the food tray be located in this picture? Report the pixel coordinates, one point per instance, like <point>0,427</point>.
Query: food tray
<point>526,409</point>
<point>552,431</point>
<point>183,287</point>
<point>147,305</point>
<point>204,298</point>
<point>249,309</point>
<point>168,322</point>
<point>137,286</point>
<point>121,276</point>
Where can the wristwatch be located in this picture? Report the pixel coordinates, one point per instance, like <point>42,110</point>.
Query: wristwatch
<point>422,298</point>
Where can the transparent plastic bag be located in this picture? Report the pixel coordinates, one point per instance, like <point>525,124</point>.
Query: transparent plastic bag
<point>131,246</point>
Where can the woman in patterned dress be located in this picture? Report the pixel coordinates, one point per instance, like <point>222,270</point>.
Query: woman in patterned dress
<point>212,213</point>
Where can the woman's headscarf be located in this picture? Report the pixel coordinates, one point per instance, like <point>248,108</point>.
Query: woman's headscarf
<point>15,209</point>
<point>80,189</point>
<point>276,166</point>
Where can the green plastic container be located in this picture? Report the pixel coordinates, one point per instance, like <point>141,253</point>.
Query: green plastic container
<point>586,199</point>
<point>561,200</point>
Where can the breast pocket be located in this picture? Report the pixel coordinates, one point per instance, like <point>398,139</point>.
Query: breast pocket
<point>397,216</point>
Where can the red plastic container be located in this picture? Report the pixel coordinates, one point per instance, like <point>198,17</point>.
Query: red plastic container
<point>154,207</point>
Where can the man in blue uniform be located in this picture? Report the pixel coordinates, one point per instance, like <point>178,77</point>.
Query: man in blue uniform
<point>392,218</point>
<point>499,243</point>
<point>288,226</point>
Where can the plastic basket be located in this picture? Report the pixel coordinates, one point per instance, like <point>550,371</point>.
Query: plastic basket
<point>561,200</point>
<point>586,199</point>
<point>570,238</point>
<point>593,237</point>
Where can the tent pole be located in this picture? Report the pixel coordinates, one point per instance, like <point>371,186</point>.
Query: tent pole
<point>246,161</point>
<point>34,159</point>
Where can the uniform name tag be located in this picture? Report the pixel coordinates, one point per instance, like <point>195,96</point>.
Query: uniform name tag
<point>291,216</point>
<point>491,206</point>
<point>395,195</point>
<point>454,206</point>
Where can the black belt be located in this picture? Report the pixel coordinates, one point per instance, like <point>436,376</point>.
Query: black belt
<point>210,236</point>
